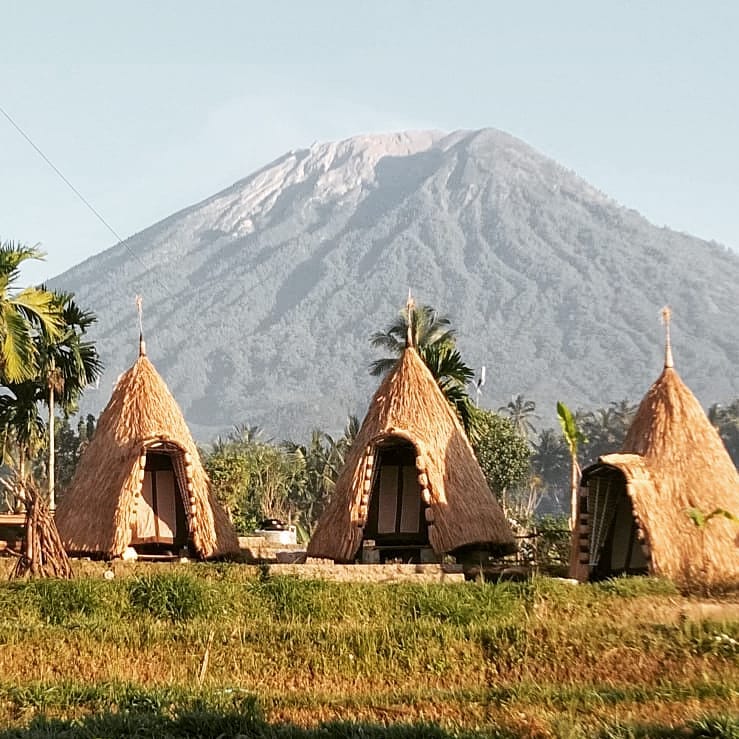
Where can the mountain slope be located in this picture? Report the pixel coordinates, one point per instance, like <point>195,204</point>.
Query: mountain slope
<point>260,300</point>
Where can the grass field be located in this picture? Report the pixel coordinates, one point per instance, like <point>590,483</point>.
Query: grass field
<point>227,650</point>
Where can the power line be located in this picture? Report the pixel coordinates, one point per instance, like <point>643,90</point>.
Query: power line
<point>90,206</point>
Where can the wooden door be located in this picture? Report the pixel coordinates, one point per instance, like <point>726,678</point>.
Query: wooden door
<point>160,513</point>
<point>396,513</point>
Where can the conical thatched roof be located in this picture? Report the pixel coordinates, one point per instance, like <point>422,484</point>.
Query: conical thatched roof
<point>462,511</point>
<point>673,460</point>
<point>96,513</point>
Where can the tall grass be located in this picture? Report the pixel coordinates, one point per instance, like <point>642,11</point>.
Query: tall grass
<point>176,596</point>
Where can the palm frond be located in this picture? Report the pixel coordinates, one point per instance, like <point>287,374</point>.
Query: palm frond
<point>39,307</point>
<point>446,363</point>
<point>18,351</point>
<point>382,366</point>
<point>13,254</point>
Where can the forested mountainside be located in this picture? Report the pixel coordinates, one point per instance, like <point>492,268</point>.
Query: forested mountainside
<point>259,301</point>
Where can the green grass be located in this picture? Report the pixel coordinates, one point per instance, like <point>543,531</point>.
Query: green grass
<point>175,597</point>
<point>280,656</point>
<point>117,709</point>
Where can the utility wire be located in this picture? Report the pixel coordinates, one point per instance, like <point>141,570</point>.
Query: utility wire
<point>96,213</point>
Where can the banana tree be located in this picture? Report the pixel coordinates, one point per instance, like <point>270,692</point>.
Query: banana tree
<point>573,438</point>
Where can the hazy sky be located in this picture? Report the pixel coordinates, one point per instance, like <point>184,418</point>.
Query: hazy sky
<point>148,107</point>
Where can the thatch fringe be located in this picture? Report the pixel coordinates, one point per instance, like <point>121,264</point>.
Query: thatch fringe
<point>462,512</point>
<point>95,515</point>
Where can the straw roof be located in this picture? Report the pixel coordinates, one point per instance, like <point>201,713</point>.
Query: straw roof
<point>674,460</point>
<point>96,513</point>
<point>462,512</point>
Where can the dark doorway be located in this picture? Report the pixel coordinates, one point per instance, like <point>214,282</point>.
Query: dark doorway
<point>614,545</point>
<point>396,518</point>
<point>161,521</point>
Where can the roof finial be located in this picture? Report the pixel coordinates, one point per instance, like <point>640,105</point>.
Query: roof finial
<point>666,316</point>
<point>410,305</point>
<point>140,311</point>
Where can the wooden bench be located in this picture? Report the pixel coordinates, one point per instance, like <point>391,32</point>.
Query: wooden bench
<point>9,538</point>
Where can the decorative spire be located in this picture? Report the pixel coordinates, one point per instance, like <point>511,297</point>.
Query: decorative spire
<point>140,311</point>
<point>666,316</point>
<point>410,305</point>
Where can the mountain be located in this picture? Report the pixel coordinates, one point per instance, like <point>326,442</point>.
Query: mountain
<point>259,301</point>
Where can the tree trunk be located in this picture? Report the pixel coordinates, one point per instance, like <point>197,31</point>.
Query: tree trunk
<point>574,485</point>
<point>575,569</point>
<point>52,455</point>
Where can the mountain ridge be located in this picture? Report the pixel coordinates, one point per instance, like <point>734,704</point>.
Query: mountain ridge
<point>274,284</point>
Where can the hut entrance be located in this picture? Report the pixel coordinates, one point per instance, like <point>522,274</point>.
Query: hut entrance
<point>161,521</point>
<point>396,519</point>
<point>614,546</point>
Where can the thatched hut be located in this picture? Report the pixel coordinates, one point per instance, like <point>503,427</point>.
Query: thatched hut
<point>640,509</point>
<point>140,482</point>
<point>411,484</point>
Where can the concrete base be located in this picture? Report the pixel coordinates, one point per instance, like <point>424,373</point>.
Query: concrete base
<point>313,570</point>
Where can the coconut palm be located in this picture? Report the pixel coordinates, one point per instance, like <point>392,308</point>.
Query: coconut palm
<point>428,329</point>
<point>22,313</point>
<point>520,411</point>
<point>321,461</point>
<point>434,341</point>
<point>550,456</point>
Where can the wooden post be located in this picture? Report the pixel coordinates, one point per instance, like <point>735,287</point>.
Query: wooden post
<point>52,453</point>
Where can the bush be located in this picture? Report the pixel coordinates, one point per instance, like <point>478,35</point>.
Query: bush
<point>554,541</point>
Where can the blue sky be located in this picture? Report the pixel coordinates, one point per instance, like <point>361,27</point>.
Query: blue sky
<point>148,107</point>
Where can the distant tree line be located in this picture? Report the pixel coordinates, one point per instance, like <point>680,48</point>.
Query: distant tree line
<point>528,469</point>
<point>256,477</point>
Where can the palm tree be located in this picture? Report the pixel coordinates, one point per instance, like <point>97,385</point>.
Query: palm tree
<point>21,426</point>
<point>22,312</point>
<point>428,329</point>
<point>351,431</point>
<point>520,411</point>
<point>550,456</point>
<point>623,412</point>
<point>434,341</point>
<point>602,429</point>
<point>68,364</point>
<point>321,461</point>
